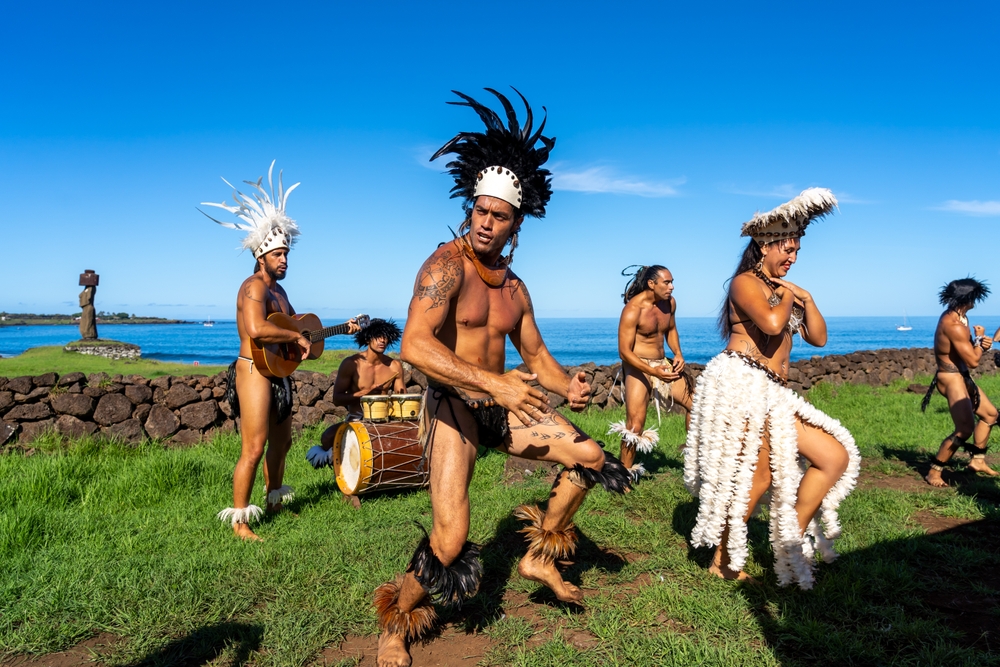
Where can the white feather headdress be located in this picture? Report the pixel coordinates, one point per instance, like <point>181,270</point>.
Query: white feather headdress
<point>268,227</point>
<point>790,220</point>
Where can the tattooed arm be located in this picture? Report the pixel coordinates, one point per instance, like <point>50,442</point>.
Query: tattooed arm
<point>251,305</point>
<point>438,284</point>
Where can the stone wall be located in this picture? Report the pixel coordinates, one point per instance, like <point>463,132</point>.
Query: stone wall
<point>184,410</point>
<point>875,368</point>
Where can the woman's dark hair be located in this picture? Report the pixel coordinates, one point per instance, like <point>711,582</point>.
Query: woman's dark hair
<point>751,256</point>
<point>640,279</point>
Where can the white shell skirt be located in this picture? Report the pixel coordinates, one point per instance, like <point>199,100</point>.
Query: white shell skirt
<point>733,402</point>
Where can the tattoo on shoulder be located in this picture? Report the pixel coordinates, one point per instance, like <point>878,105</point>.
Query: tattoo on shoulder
<point>523,289</point>
<point>437,279</point>
<point>249,294</point>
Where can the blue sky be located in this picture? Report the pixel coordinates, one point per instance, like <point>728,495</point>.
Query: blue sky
<point>675,123</point>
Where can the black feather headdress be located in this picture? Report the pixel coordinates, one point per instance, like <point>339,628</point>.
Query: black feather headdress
<point>378,328</point>
<point>511,147</point>
<point>963,292</point>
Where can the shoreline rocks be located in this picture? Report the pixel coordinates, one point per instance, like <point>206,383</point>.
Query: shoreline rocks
<point>101,347</point>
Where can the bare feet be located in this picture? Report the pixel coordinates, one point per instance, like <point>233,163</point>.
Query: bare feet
<point>243,531</point>
<point>392,651</point>
<point>934,478</point>
<point>731,575</point>
<point>980,465</point>
<point>274,509</point>
<point>542,570</point>
<point>720,566</point>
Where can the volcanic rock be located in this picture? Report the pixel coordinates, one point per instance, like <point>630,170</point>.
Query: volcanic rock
<point>199,415</point>
<point>161,422</point>
<point>76,405</point>
<point>71,427</point>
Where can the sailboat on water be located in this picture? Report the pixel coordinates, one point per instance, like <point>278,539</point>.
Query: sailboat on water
<point>904,326</point>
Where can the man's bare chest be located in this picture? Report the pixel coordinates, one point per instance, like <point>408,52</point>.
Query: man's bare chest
<point>653,322</point>
<point>368,374</point>
<point>479,306</point>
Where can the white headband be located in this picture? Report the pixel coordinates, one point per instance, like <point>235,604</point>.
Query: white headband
<point>501,183</point>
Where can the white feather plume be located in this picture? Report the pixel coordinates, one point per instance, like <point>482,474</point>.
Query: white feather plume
<point>810,204</point>
<point>259,212</point>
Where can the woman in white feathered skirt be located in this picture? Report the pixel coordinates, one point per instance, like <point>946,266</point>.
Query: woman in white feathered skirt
<point>749,432</point>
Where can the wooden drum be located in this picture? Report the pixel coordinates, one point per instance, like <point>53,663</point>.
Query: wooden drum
<point>405,407</point>
<point>371,457</point>
<point>375,408</point>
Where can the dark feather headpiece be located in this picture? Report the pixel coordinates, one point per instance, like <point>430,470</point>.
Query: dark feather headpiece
<point>378,328</point>
<point>503,161</point>
<point>963,292</point>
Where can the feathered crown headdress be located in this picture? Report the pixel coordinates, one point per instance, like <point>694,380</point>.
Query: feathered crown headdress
<point>789,221</point>
<point>268,227</point>
<point>502,162</point>
<point>963,292</point>
<point>378,328</point>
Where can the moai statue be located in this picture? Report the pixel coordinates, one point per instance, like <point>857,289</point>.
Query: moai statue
<point>88,320</point>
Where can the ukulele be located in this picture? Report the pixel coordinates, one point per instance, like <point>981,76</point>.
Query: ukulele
<point>279,360</point>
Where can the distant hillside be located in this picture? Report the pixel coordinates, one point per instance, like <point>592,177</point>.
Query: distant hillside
<point>22,319</point>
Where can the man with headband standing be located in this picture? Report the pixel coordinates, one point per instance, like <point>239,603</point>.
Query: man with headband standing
<point>466,301</point>
<point>264,405</point>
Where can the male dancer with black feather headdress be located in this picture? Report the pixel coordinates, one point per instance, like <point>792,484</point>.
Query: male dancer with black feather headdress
<point>956,352</point>
<point>466,301</point>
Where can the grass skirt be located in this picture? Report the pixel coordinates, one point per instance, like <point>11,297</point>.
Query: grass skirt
<point>733,404</point>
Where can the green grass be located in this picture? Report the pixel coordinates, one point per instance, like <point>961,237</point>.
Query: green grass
<point>124,540</point>
<point>39,360</point>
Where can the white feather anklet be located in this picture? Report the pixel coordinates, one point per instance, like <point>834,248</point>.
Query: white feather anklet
<point>282,494</point>
<point>240,514</point>
<point>644,443</point>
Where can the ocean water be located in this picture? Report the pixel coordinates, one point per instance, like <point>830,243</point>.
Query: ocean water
<point>571,341</point>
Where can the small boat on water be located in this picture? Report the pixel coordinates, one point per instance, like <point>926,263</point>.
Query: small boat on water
<point>904,326</point>
<point>208,323</point>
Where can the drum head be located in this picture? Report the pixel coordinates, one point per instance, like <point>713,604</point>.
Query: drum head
<point>352,457</point>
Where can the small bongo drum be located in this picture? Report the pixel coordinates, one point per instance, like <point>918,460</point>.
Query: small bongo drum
<point>371,457</point>
<point>405,407</point>
<point>375,408</point>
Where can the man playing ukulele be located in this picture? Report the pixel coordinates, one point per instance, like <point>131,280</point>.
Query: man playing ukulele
<point>263,404</point>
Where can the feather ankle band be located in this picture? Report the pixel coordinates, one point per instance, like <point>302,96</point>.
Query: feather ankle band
<point>451,585</point>
<point>644,442</point>
<point>613,476</point>
<point>282,494</point>
<point>552,545</point>
<point>637,471</point>
<point>413,624</point>
<point>240,514</point>
<point>319,457</point>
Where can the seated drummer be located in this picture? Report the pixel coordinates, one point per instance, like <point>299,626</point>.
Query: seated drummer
<point>370,372</point>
